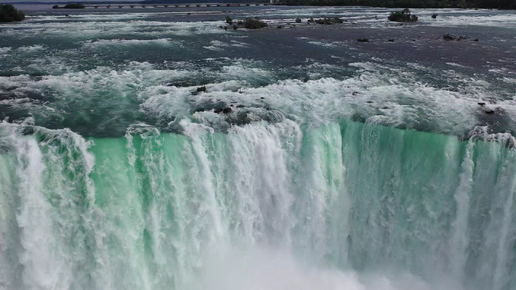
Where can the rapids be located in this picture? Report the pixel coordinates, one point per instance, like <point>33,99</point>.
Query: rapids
<point>339,166</point>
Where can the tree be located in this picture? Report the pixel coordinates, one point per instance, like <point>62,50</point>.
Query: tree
<point>403,16</point>
<point>9,14</point>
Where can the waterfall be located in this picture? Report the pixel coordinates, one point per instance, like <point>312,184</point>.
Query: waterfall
<point>277,206</point>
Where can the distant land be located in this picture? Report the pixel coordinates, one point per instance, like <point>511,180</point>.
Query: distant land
<point>135,2</point>
<point>492,4</point>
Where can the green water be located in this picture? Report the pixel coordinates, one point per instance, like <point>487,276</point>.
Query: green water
<point>311,161</point>
<point>140,212</point>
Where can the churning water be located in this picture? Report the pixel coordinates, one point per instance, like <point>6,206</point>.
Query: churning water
<point>335,164</point>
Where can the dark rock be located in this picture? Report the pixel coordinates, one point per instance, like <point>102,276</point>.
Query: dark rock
<point>489,112</point>
<point>390,40</point>
<point>403,16</point>
<point>434,16</point>
<point>476,39</point>
<point>481,103</point>
<point>355,93</point>
<point>449,37</point>
<point>363,40</point>
<point>9,14</point>
<point>240,106</point>
<point>201,89</point>
<point>298,20</point>
<point>329,21</point>
<point>74,6</point>
<point>253,23</point>
<point>225,110</point>
<point>499,111</point>
<point>369,102</point>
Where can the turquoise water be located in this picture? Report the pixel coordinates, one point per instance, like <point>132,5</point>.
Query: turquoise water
<point>350,169</point>
<point>141,211</point>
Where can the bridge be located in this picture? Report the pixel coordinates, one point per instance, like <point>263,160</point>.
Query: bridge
<point>189,5</point>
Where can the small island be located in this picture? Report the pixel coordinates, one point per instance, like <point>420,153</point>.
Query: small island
<point>403,16</point>
<point>70,6</point>
<point>9,14</point>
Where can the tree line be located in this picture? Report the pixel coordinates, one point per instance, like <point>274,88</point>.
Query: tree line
<point>494,4</point>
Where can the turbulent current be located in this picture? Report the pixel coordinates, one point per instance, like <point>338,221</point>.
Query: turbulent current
<point>311,161</point>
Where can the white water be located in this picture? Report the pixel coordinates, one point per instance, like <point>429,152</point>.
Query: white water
<point>262,207</point>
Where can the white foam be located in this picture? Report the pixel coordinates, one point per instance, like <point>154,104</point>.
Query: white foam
<point>4,50</point>
<point>30,49</point>
<point>95,29</point>
<point>220,45</point>
<point>456,64</point>
<point>326,44</point>
<point>276,269</point>
<point>131,42</point>
<point>509,80</point>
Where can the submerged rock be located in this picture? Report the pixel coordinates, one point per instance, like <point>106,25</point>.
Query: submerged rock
<point>329,21</point>
<point>226,110</point>
<point>449,37</point>
<point>199,90</point>
<point>363,40</point>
